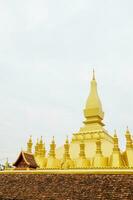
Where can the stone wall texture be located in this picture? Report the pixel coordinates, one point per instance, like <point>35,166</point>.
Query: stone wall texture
<point>65,187</point>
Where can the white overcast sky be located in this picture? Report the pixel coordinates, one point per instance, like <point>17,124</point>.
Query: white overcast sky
<point>48,49</point>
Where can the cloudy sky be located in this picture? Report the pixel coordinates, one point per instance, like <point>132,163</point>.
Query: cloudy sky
<point>48,49</point>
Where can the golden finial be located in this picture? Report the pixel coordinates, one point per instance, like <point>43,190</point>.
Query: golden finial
<point>128,139</point>
<point>29,145</point>
<point>127,131</point>
<point>67,140</point>
<point>41,140</point>
<point>115,141</point>
<point>52,148</point>
<point>115,133</point>
<point>30,140</point>
<point>53,140</point>
<point>37,141</point>
<point>93,74</point>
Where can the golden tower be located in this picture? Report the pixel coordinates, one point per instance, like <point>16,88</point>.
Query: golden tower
<point>128,154</point>
<point>40,153</point>
<point>67,163</point>
<point>52,161</point>
<point>116,159</point>
<point>29,145</point>
<point>92,129</point>
<point>99,161</point>
<point>82,161</point>
<point>37,149</point>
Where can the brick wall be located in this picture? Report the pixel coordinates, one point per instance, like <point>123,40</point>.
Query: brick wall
<point>65,187</point>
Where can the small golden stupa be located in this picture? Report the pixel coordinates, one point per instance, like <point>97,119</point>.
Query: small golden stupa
<point>92,147</point>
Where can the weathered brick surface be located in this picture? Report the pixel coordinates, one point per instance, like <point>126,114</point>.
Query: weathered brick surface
<point>66,187</point>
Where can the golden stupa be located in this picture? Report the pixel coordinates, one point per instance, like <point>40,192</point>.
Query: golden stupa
<point>92,147</point>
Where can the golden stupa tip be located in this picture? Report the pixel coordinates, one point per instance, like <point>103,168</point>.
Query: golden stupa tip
<point>115,134</point>
<point>30,137</point>
<point>127,130</point>
<point>67,140</point>
<point>37,141</point>
<point>93,74</point>
<point>41,138</point>
<point>53,140</point>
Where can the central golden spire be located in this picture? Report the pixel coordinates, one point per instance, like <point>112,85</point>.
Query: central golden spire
<point>93,110</point>
<point>93,74</point>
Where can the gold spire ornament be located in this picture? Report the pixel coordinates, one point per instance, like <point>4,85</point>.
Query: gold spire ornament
<point>52,161</point>
<point>29,145</point>
<point>52,148</point>
<point>42,148</point>
<point>67,162</point>
<point>37,149</point>
<point>93,110</point>
<point>116,160</point>
<point>93,74</point>
<point>40,153</point>
<point>82,162</point>
<point>128,154</point>
<point>66,150</point>
<point>99,161</point>
<point>128,139</point>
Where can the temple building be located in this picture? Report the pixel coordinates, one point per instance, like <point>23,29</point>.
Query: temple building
<point>90,147</point>
<point>25,160</point>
